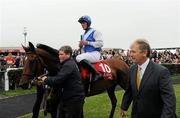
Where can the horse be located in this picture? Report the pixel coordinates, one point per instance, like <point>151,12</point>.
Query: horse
<point>36,62</point>
<point>40,56</point>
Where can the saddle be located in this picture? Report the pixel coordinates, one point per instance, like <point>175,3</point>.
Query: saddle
<point>101,66</point>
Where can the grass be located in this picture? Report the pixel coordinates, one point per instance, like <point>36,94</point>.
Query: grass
<point>99,106</point>
<point>95,106</point>
<point>17,92</point>
<point>177,92</point>
<point>20,91</point>
<point>175,77</point>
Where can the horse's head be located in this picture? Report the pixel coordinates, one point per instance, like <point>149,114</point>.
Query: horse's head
<point>37,60</point>
<point>33,66</point>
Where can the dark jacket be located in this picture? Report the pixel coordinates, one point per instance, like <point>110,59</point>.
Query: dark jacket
<point>69,79</point>
<point>155,97</point>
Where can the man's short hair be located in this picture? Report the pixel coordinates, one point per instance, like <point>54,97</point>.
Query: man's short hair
<point>144,45</point>
<point>66,49</point>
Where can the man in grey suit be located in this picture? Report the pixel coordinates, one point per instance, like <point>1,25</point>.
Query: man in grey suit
<point>150,88</point>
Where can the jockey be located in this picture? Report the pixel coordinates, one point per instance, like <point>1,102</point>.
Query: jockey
<point>91,44</point>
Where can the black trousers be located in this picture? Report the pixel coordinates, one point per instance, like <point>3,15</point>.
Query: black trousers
<point>71,110</point>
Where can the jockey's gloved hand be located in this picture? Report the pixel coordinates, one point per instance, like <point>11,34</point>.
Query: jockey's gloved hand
<point>83,43</point>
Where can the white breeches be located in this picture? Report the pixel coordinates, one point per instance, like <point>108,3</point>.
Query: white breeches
<point>92,57</point>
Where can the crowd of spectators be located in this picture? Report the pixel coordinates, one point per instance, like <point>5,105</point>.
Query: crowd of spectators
<point>158,56</point>
<point>166,56</point>
<point>11,61</point>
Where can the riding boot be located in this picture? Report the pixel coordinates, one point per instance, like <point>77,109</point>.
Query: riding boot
<point>95,74</point>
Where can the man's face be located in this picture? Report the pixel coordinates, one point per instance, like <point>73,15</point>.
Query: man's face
<point>84,25</point>
<point>63,56</point>
<point>138,56</point>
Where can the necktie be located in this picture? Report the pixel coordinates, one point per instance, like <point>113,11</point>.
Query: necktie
<point>138,81</point>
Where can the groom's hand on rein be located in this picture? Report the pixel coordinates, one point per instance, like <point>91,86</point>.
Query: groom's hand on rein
<point>40,80</point>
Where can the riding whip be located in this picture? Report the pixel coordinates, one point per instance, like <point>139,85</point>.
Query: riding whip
<point>80,47</point>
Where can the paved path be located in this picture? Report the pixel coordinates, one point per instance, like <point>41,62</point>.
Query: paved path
<point>13,107</point>
<point>2,97</point>
<point>20,105</point>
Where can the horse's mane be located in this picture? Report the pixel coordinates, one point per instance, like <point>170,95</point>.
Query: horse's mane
<point>49,49</point>
<point>53,58</point>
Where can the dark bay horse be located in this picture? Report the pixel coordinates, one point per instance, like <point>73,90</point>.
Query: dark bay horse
<point>40,58</point>
<point>37,61</point>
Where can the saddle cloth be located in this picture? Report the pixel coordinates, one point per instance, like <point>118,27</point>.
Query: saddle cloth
<point>102,67</point>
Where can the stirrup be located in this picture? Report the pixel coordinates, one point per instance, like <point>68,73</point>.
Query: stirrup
<point>89,87</point>
<point>96,76</point>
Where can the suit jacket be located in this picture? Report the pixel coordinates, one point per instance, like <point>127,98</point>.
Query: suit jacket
<point>155,97</point>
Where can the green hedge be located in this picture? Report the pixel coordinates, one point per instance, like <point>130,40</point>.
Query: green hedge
<point>1,80</point>
<point>14,78</point>
<point>15,75</point>
<point>173,68</point>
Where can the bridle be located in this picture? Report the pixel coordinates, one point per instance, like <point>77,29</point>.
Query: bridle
<point>33,69</point>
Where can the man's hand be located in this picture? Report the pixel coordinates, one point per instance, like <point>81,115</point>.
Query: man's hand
<point>41,80</point>
<point>82,43</point>
<point>123,113</point>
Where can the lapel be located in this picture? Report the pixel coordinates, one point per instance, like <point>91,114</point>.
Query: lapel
<point>147,73</point>
<point>134,76</point>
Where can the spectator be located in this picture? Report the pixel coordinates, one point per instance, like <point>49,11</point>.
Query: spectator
<point>10,59</point>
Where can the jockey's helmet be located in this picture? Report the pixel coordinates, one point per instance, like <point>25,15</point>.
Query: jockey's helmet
<point>86,19</point>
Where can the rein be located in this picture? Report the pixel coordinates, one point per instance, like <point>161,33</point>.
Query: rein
<point>39,59</point>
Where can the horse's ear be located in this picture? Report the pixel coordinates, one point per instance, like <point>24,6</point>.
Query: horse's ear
<point>29,49</point>
<point>38,45</point>
<point>31,46</point>
<point>25,48</point>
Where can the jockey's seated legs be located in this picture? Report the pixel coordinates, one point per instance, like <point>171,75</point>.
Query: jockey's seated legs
<point>95,74</point>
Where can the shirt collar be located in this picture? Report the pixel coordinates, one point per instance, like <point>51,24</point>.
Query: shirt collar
<point>144,65</point>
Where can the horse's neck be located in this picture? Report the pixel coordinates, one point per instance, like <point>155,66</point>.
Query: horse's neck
<point>50,62</point>
<point>52,68</point>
